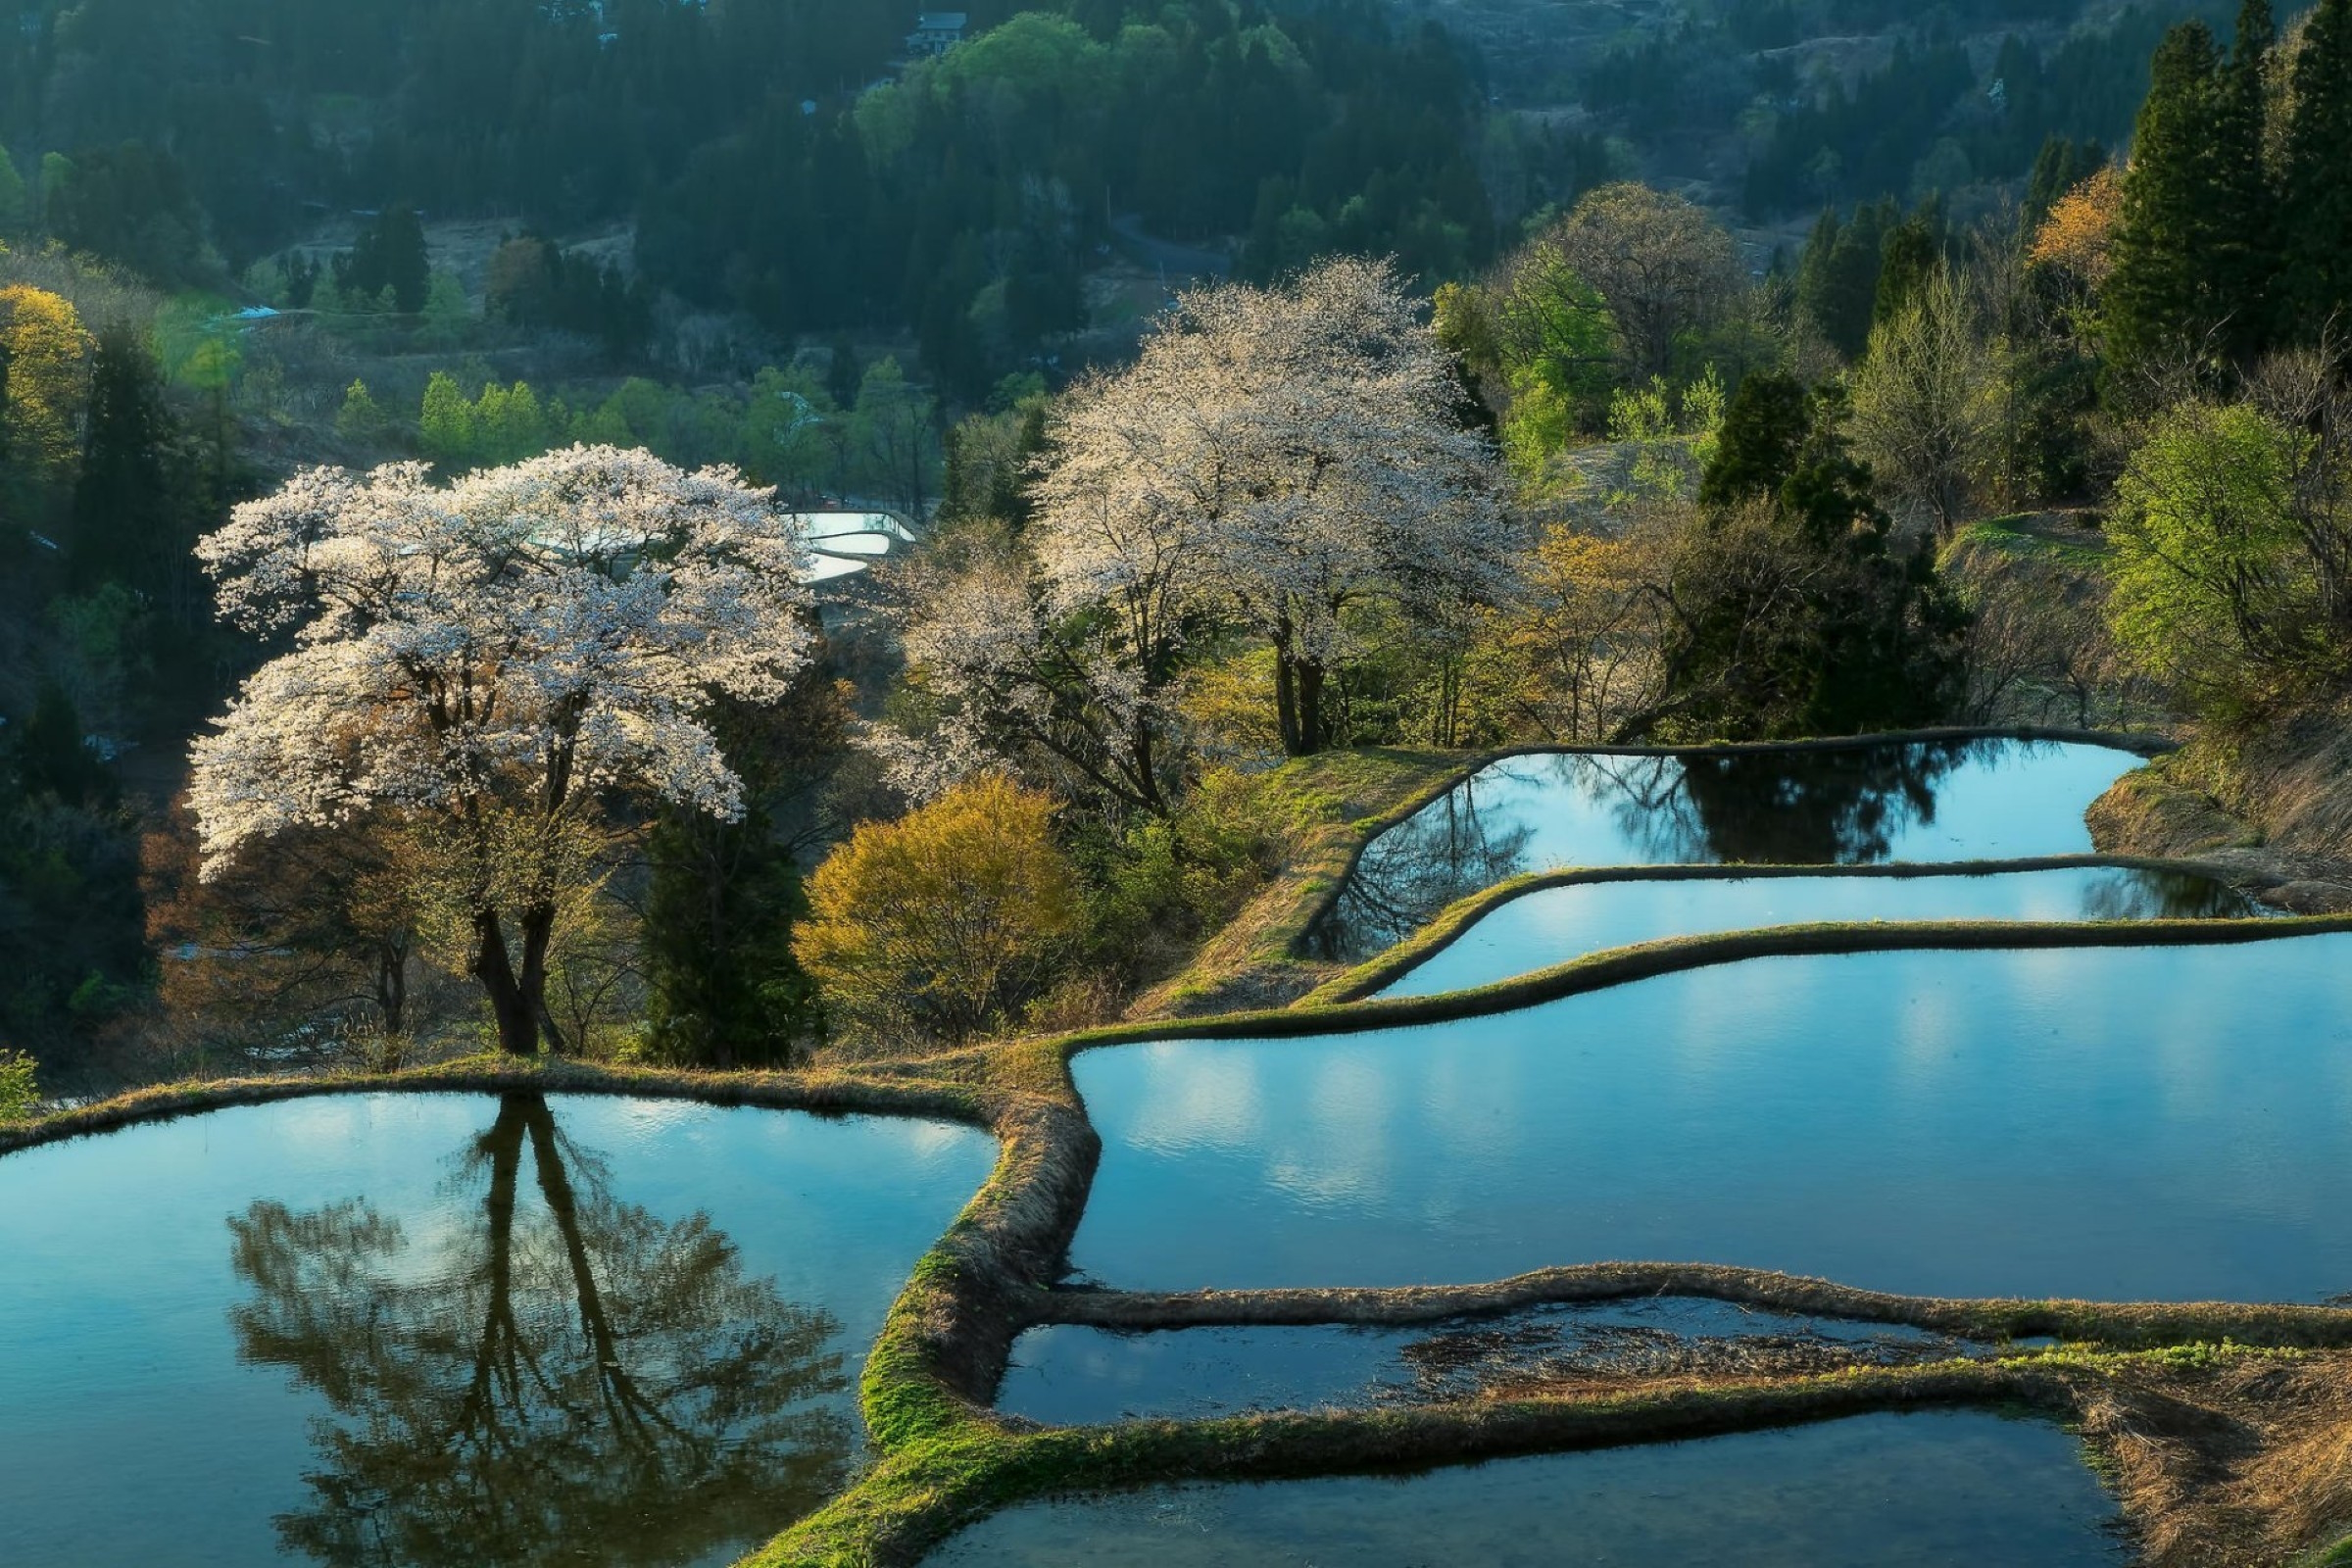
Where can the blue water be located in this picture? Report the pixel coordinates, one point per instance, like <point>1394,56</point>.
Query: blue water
<point>1553,925</point>
<point>160,1405</point>
<point>1931,1490</point>
<point>1944,801</point>
<point>1071,1375</point>
<point>2116,1124</point>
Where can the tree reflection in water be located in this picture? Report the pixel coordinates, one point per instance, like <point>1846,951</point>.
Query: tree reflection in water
<point>1838,806</point>
<point>2163,896</point>
<point>572,1381</point>
<point>1442,853</point>
<point>1841,806</point>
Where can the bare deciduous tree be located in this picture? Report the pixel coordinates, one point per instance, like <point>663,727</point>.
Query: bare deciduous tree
<point>1663,266</point>
<point>1927,403</point>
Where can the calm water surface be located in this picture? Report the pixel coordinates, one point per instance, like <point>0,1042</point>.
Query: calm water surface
<point>1067,1375</point>
<point>1555,924</point>
<point>1940,801</point>
<point>1933,1490</point>
<point>2117,1124</point>
<point>421,1330</point>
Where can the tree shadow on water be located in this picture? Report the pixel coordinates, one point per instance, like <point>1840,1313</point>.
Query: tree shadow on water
<point>1406,877</point>
<point>568,1381</point>
<point>1841,806</point>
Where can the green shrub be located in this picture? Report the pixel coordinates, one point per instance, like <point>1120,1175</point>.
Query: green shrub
<point>19,1092</point>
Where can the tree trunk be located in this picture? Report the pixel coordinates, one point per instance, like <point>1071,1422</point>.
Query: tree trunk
<point>1147,767</point>
<point>1285,701</point>
<point>392,985</point>
<point>518,1021</point>
<point>1309,679</point>
<point>538,931</point>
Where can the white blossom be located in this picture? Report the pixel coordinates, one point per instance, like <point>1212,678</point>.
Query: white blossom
<point>1272,457</point>
<point>534,634</point>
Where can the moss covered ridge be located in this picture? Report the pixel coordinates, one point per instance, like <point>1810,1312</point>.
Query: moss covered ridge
<point>945,1458</point>
<point>1453,922</point>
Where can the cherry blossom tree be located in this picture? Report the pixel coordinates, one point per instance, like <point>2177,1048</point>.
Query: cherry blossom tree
<point>498,662</point>
<point>1274,458</point>
<point>1330,470</point>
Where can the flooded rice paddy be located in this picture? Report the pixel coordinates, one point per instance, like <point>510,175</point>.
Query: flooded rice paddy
<point>449,1329</point>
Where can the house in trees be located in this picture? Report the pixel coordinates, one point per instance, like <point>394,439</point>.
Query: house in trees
<point>936,32</point>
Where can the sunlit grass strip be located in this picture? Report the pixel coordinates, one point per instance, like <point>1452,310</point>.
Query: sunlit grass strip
<point>921,1495</point>
<point>1456,919</point>
<point>1599,971</point>
<point>2117,1325</point>
<point>1325,891</point>
<point>821,1092</point>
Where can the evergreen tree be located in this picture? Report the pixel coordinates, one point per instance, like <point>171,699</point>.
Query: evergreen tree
<point>2246,212</point>
<point>1764,428</point>
<point>1909,255</point>
<point>2163,297</point>
<point>1792,612</point>
<point>1837,278</point>
<point>16,209</point>
<point>361,420</point>
<point>446,426</point>
<point>2319,173</point>
<point>724,898</point>
<point>128,523</point>
<point>2060,166</point>
<point>50,757</point>
<point>389,254</point>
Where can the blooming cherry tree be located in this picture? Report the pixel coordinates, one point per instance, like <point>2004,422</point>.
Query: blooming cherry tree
<point>1331,470</point>
<point>1273,458</point>
<point>496,660</point>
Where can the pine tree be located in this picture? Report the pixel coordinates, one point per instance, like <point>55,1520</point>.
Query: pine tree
<point>2318,206</point>
<point>1837,278</point>
<point>16,207</point>
<point>2060,166</point>
<point>446,426</point>
<point>2164,296</point>
<point>389,255</point>
<point>128,520</point>
<point>1911,254</point>
<point>2247,263</point>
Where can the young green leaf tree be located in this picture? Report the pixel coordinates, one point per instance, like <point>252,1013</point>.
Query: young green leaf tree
<point>943,922</point>
<point>1926,415</point>
<point>2214,587</point>
<point>496,663</point>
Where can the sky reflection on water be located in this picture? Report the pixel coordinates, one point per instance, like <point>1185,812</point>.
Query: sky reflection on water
<point>2118,1124</point>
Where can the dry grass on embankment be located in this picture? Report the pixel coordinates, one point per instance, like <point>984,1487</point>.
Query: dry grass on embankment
<point>2277,806</point>
<point>1337,803</point>
<point>2235,1451</point>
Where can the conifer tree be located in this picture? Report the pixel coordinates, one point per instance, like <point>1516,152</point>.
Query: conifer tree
<point>1838,279</point>
<point>16,207</point>
<point>1909,256</point>
<point>2163,297</point>
<point>127,518</point>
<point>2246,210</point>
<point>2317,182</point>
